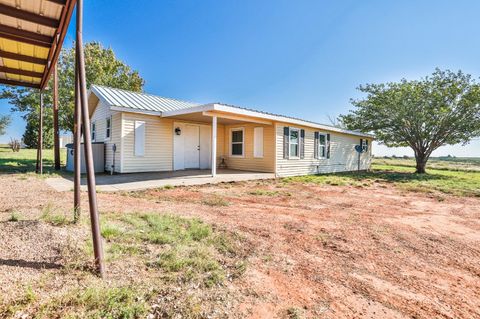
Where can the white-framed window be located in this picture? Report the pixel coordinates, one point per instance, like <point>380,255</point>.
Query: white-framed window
<point>258,142</point>
<point>294,142</point>
<point>237,137</point>
<point>108,128</point>
<point>322,145</point>
<point>93,131</point>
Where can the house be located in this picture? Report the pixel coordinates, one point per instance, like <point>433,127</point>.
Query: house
<point>146,133</point>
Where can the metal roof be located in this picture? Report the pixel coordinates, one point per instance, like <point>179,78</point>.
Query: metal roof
<point>31,37</point>
<point>152,104</point>
<point>138,101</point>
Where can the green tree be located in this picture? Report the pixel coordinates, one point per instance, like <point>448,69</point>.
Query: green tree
<point>102,67</point>
<point>4,123</point>
<point>30,136</point>
<point>440,109</point>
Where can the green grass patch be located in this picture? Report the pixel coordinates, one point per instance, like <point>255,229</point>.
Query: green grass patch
<point>25,160</point>
<point>455,182</point>
<point>97,302</point>
<point>264,192</point>
<point>215,200</point>
<point>190,250</point>
<point>14,216</point>
<point>51,216</point>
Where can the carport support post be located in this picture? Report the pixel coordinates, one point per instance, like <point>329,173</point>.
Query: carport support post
<point>39,168</point>
<point>56,141</point>
<point>77,136</point>
<point>87,142</point>
<point>214,146</point>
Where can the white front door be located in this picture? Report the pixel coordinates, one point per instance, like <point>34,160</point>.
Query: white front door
<point>192,146</point>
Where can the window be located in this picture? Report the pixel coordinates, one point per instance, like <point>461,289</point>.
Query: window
<point>139,138</point>
<point>93,131</point>
<point>294,142</point>
<point>258,142</point>
<point>364,145</point>
<point>237,142</point>
<point>322,145</point>
<point>108,128</point>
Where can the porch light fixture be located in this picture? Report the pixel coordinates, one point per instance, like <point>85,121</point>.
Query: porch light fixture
<point>178,131</point>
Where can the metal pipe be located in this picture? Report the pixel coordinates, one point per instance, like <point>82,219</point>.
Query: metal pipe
<point>39,168</point>
<point>77,136</point>
<point>92,195</point>
<point>56,133</point>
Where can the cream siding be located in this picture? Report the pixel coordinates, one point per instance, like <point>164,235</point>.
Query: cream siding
<point>343,156</point>
<point>158,144</point>
<point>99,116</point>
<point>248,162</point>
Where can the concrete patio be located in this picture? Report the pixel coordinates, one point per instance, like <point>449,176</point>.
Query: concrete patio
<point>139,181</point>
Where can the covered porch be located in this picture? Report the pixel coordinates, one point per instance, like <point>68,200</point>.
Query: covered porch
<point>208,138</point>
<point>140,181</point>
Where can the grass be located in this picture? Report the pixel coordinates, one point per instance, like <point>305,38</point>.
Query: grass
<point>97,302</point>
<point>189,249</point>
<point>14,217</point>
<point>51,216</point>
<point>24,161</point>
<point>215,200</point>
<point>456,182</point>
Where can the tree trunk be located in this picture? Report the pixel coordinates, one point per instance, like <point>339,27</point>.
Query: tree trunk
<point>421,163</point>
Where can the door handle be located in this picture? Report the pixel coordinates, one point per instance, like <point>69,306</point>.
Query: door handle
<point>198,148</point>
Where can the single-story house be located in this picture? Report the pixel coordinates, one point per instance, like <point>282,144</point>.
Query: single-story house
<point>148,133</point>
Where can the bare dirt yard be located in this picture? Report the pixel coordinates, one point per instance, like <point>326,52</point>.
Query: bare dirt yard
<point>268,249</point>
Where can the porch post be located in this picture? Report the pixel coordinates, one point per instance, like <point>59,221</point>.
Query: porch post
<point>214,146</point>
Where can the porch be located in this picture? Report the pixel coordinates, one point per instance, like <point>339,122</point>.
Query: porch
<point>139,181</point>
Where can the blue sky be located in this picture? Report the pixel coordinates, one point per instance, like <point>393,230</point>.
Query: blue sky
<point>301,58</point>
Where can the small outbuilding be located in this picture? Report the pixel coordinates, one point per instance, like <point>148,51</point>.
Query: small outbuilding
<point>148,133</point>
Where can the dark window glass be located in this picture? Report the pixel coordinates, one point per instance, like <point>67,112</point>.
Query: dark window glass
<point>237,149</point>
<point>237,136</point>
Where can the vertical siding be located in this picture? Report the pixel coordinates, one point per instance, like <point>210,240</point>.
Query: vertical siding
<point>99,116</point>
<point>343,156</point>
<point>248,161</point>
<point>158,144</point>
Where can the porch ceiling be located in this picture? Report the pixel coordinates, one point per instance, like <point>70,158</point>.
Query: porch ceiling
<point>224,119</point>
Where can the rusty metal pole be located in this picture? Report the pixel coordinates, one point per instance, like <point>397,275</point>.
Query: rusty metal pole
<point>56,133</point>
<point>39,168</point>
<point>77,136</point>
<point>92,195</point>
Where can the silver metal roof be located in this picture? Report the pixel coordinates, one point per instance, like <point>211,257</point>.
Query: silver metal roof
<point>139,101</point>
<point>142,102</point>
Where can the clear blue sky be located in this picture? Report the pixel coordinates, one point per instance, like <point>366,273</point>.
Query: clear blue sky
<point>301,58</point>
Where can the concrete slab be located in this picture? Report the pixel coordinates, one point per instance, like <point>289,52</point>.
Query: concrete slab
<point>139,181</point>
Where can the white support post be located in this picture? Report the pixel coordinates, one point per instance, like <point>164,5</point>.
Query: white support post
<point>214,146</point>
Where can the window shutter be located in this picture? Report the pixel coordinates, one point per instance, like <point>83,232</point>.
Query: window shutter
<point>361,142</point>
<point>139,138</point>
<point>258,142</point>
<point>328,145</point>
<point>286,137</point>
<point>315,146</point>
<point>366,144</point>
<point>302,144</point>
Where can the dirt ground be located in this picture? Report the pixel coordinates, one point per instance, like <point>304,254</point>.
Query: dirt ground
<point>316,251</point>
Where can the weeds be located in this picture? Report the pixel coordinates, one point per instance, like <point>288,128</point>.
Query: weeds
<point>97,302</point>
<point>215,201</point>
<point>50,216</point>
<point>14,216</point>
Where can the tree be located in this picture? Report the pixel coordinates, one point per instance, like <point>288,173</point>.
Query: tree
<point>102,67</point>
<point>4,123</point>
<point>440,109</point>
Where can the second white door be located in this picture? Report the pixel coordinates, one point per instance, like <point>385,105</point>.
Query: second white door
<point>192,146</point>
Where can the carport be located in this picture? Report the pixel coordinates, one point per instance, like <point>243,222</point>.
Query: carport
<point>31,38</point>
